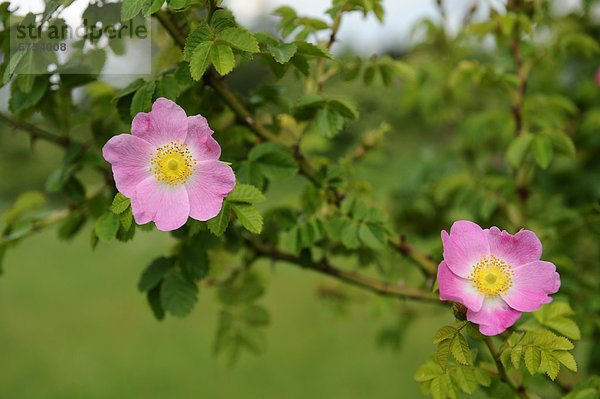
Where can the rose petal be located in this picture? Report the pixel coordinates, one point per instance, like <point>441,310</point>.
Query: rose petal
<point>531,284</point>
<point>130,158</point>
<point>519,249</point>
<point>494,317</point>
<point>166,122</point>
<point>454,288</point>
<point>464,247</point>
<point>168,206</point>
<point>199,139</point>
<point>210,183</point>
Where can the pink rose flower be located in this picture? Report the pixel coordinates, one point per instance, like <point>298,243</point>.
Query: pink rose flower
<point>496,275</point>
<point>169,167</point>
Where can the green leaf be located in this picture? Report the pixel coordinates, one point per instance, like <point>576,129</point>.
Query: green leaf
<point>245,193</point>
<point>309,49</point>
<point>466,379</point>
<point>155,302</point>
<point>274,161</point>
<point>240,39</point>
<point>483,377</point>
<point>178,295</point>
<point>515,356</point>
<point>460,349</point>
<point>152,275</point>
<point>533,359</point>
<point>255,316</point>
<point>219,223</point>
<point>567,359</point>
<point>120,203</point>
<point>350,237</point>
<point>372,235</point>
<point>200,60</point>
<point>126,219</point>
<point>249,216</point>
<point>561,142</point>
<point>150,7</point>
<point>346,108</point>
<point>329,122</point>
<point>518,148</point>
<point>542,148</point>
<point>71,225</point>
<point>107,226</point>
<point>443,333</point>
<point>168,88</point>
<point>131,8</point>
<point>142,99</point>
<point>438,388</point>
<point>442,353</point>
<point>564,326</point>
<point>281,52</point>
<point>20,101</point>
<point>550,364</point>
<point>222,58</point>
<point>201,34</point>
<point>428,371</point>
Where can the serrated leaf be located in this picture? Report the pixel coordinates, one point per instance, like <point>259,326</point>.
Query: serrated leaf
<point>240,39</point>
<point>550,364</point>
<point>126,219</point>
<point>442,353</point>
<point>346,108</point>
<point>350,237</point>
<point>533,359</point>
<point>515,356</point>
<point>274,161</point>
<point>255,316</point>
<point>245,193</point>
<point>560,343</point>
<point>219,223</point>
<point>153,273</point>
<point>483,377</point>
<point>222,58</point>
<point>518,149</point>
<point>155,303</point>
<point>443,333</point>
<point>567,359</point>
<point>561,142</point>
<point>564,326</point>
<point>249,216</point>
<point>460,349</point>
<point>201,34</point>
<point>200,60</point>
<point>142,99</point>
<point>542,148</point>
<point>309,49</point>
<point>168,88</point>
<point>372,235</point>
<point>107,226</point>
<point>428,371</point>
<point>329,122</point>
<point>131,8</point>
<point>178,295</point>
<point>281,52</point>
<point>465,377</point>
<point>120,203</point>
<point>150,7</point>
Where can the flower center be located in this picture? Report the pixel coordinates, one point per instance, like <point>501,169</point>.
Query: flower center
<point>491,275</point>
<point>172,163</point>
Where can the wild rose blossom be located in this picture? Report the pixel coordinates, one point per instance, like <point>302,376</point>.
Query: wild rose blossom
<point>169,167</point>
<point>496,275</point>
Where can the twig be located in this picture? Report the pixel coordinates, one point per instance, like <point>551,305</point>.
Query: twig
<point>35,132</point>
<point>519,390</point>
<point>325,267</point>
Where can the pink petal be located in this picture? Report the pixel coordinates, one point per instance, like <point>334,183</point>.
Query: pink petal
<point>464,247</point>
<point>210,183</point>
<point>454,288</point>
<point>199,139</point>
<point>165,123</point>
<point>523,247</point>
<point>130,158</point>
<point>168,206</point>
<point>494,317</point>
<point>532,283</point>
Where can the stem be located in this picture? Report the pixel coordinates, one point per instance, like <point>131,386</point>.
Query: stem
<point>426,263</point>
<point>325,267</point>
<point>320,78</point>
<point>519,390</point>
<point>211,10</point>
<point>35,132</point>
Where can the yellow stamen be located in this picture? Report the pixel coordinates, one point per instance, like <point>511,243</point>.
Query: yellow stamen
<point>492,276</point>
<point>172,163</point>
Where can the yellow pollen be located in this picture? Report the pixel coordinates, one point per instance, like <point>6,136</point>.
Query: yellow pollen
<point>172,163</point>
<point>492,276</point>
